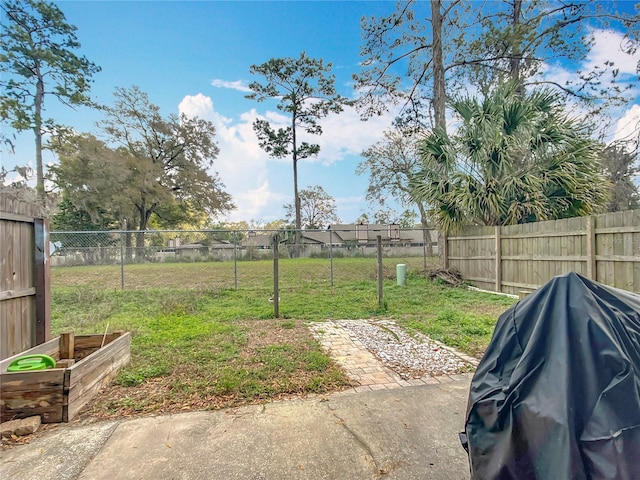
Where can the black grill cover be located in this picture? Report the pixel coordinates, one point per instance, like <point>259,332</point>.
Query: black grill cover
<point>557,394</point>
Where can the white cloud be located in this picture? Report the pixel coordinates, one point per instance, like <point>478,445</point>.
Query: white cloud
<point>608,47</point>
<point>345,134</point>
<point>277,119</point>
<point>201,106</point>
<point>258,204</point>
<point>557,74</point>
<point>244,167</point>
<point>233,85</point>
<point>14,177</point>
<point>628,126</point>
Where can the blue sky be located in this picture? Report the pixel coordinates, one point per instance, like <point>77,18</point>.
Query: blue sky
<point>195,56</point>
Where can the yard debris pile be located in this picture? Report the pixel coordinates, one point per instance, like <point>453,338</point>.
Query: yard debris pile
<point>449,276</point>
<point>410,356</point>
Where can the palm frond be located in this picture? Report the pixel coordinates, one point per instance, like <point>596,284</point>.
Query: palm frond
<point>516,158</point>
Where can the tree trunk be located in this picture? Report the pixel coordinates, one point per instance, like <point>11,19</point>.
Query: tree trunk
<point>128,247</point>
<point>296,196</point>
<point>145,213</point>
<point>439,93</point>
<point>37,130</point>
<point>516,55</point>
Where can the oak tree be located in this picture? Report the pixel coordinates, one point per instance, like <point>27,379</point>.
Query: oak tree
<point>622,169</point>
<point>169,158</point>
<point>390,164</point>
<point>318,208</point>
<point>150,165</point>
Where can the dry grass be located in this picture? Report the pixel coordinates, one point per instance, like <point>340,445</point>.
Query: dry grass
<point>272,359</point>
<point>219,275</point>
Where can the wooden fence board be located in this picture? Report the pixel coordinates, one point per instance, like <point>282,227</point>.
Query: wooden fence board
<point>604,247</point>
<point>18,289</point>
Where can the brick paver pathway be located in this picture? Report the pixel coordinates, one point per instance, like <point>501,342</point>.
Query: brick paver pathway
<point>361,365</point>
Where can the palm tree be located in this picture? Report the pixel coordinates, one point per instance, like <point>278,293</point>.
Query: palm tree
<point>516,157</point>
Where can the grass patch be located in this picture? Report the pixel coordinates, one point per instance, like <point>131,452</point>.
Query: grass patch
<point>198,348</point>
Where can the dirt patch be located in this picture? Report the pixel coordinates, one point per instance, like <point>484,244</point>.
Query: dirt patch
<point>275,359</point>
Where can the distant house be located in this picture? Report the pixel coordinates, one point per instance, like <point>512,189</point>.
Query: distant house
<point>191,250</point>
<point>366,233</point>
<point>319,237</point>
<point>261,241</point>
<point>221,245</point>
<point>360,236</point>
<point>220,249</point>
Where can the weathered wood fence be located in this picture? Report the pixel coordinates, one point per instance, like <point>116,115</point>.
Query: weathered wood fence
<point>519,258</point>
<point>24,276</point>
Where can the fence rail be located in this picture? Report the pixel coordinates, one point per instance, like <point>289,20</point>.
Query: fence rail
<point>510,259</point>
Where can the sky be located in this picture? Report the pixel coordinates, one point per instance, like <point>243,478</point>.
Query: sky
<point>194,57</point>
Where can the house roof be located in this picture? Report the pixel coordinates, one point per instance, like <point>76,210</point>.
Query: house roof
<point>344,232</point>
<point>258,240</point>
<point>362,231</point>
<point>190,246</point>
<point>197,246</point>
<point>322,237</point>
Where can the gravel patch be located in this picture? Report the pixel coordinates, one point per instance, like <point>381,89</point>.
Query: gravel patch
<point>410,356</point>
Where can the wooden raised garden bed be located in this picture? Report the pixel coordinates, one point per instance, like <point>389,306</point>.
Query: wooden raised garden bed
<point>84,365</point>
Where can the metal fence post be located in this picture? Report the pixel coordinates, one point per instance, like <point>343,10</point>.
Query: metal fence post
<point>42,281</point>
<point>235,259</point>
<point>379,252</point>
<point>276,287</point>
<point>331,254</point>
<point>121,260</point>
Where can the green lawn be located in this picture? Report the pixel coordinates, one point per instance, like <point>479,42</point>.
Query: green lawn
<point>251,275</point>
<point>195,348</point>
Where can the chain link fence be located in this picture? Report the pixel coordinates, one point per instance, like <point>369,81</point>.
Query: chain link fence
<point>216,259</point>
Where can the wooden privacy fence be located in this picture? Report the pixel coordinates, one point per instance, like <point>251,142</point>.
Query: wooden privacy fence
<point>24,276</point>
<point>516,258</point>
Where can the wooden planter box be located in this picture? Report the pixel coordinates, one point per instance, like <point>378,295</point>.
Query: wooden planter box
<point>83,367</point>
